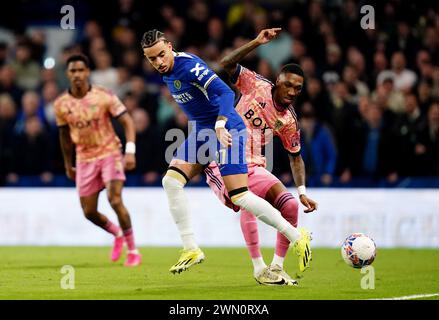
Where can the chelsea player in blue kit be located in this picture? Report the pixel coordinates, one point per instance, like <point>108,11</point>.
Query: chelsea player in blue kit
<point>209,104</point>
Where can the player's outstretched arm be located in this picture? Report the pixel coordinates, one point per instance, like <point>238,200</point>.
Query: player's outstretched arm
<point>298,169</point>
<point>67,150</point>
<point>230,61</point>
<point>130,134</point>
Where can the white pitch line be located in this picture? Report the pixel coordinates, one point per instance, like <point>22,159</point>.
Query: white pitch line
<point>416,296</point>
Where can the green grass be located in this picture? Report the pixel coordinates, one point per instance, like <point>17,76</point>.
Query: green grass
<point>35,273</point>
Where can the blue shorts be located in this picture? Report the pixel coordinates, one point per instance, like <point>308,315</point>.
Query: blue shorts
<point>202,146</point>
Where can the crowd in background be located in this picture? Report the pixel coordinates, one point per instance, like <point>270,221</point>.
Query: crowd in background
<point>369,107</point>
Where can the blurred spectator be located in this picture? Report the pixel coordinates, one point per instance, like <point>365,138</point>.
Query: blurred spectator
<point>435,87</point>
<point>333,60</point>
<point>27,71</point>
<point>147,142</point>
<point>348,25</point>
<point>124,40</point>
<point>7,83</point>
<point>123,81</point>
<point>7,122</point>
<point>344,111</point>
<point>50,93</point>
<point>97,46</point>
<point>127,14</point>
<point>132,61</point>
<point>316,94</point>
<point>318,149</point>
<point>308,66</point>
<point>145,99</point>
<point>431,42</point>
<point>403,78</point>
<point>166,106</point>
<point>356,59</point>
<point>197,22</point>
<point>427,147</point>
<point>38,45</point>
<point>388,96</point>
<point>240,18</point>
<point>424,67</point>
<point>177,33</point>
<point>380,64</point>
<point>382,101</point>
<point>31,107</point>
<point>105,75</point>
<point>298,51</point>
<point>372,149</point>
<point>312,35</point>
<point>356,87</point>
<point>261,22</point>
<point>344,117</point>
<point>425,95</point>
<point>130,102</point>
<point>32,152</point>
<point>406,127</point>
<point>216,33</point>
<point>3,53</point>
<point>92,31</point>
<point>295,28</point>
<point>404,41</point>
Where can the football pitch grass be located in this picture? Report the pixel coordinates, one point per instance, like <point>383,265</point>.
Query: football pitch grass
<point>226,274</point>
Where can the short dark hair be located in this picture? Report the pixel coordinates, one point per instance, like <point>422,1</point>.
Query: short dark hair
<point>293,68</point>
<point>151,37</point>
<point>79,57</point>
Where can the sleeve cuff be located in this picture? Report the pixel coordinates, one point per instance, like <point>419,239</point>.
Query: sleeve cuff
<point>121,114</point>
<point>235,75</point>
<point>213,77</point>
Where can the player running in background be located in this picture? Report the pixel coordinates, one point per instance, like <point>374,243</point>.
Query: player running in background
<point>83,115</point>
<point>208,102</point>
<point>267,109</point>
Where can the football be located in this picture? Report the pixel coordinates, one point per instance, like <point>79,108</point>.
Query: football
<point>358,250</point>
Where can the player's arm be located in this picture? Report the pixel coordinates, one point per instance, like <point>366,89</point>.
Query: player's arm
<point>226,99</point>
<point>298,170</point>
<point>230,61</point>
<point>67,150</point>
<point>117,109</point>
<point>130,134</point>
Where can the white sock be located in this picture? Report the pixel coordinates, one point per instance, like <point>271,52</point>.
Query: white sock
<point>278,260</point>
<point>135,251</point>
<point>258,265</point>
<point>265,212</point>
<point>178,205</point>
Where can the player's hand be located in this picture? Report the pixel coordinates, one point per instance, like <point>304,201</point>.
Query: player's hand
<point>129,161</point>
<point>71,172</point>
<point>310,204</point>
<point>224,137</point>
<point>267,35</point>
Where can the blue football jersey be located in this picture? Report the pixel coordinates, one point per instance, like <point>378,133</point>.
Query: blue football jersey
<point>188,83</point>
